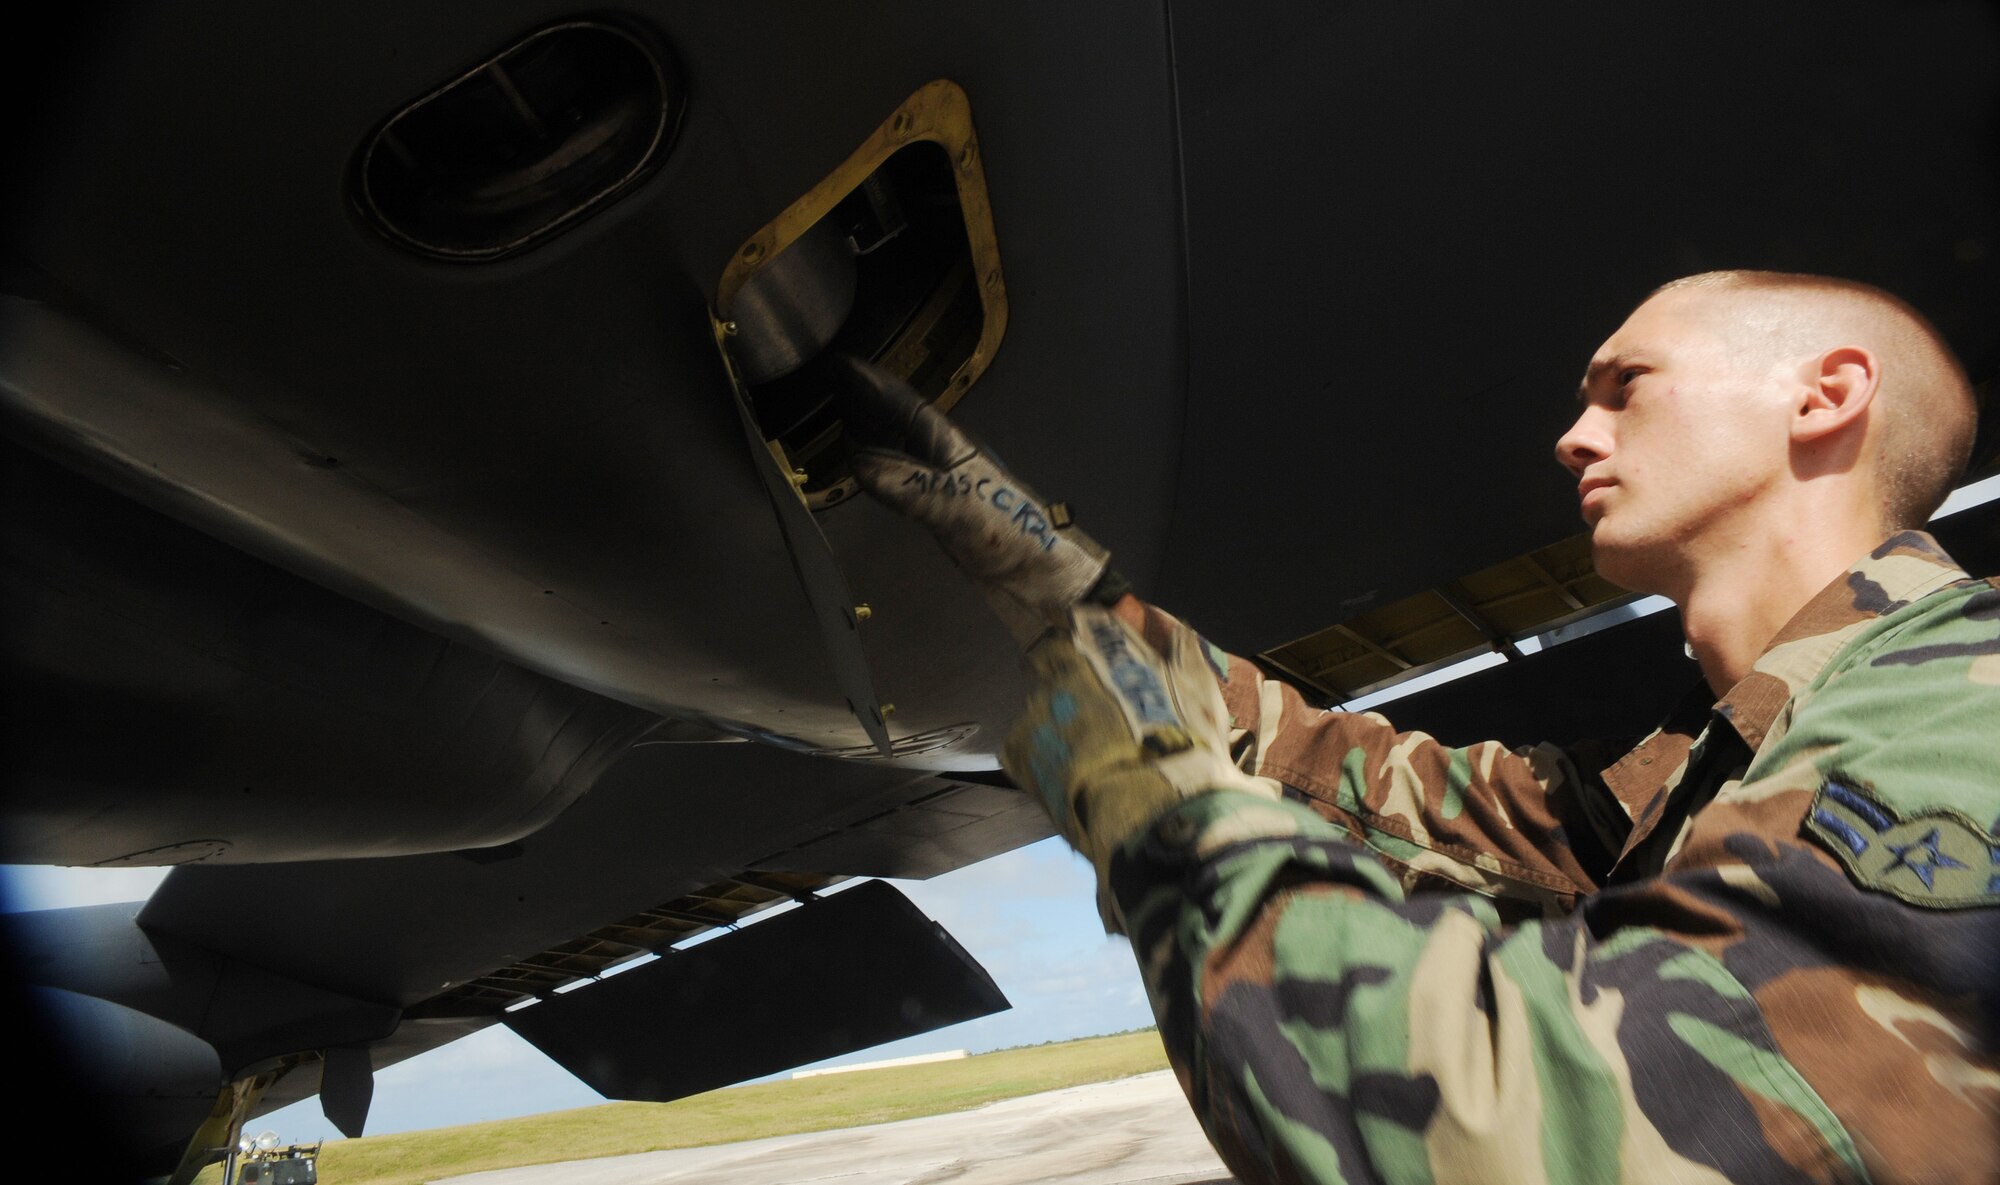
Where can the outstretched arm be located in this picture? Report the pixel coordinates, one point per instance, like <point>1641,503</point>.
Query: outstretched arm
<point>1527,825</point>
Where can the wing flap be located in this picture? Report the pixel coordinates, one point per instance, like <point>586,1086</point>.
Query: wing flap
<point>841,973</point>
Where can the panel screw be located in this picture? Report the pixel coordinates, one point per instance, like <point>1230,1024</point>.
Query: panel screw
<point>901,125</point>
<point>729,329</point>
<point>799,477</point>
<point>993,279</point>
<point>753,251</point>
<point>965,156</point>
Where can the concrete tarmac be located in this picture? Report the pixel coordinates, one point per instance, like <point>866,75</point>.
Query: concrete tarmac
<point>1108,1133</point>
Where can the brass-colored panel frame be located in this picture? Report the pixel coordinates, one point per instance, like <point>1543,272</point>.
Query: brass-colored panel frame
<point>940,113</point>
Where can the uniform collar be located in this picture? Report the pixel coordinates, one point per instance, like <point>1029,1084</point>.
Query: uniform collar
<point>1904,567</point>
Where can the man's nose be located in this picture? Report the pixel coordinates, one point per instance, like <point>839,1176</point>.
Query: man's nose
<point>1587,442</point>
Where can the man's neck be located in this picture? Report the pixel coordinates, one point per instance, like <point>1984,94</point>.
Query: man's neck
<point>1740,596</point>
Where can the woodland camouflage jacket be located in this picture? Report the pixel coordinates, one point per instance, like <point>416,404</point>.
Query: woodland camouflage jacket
<point>1763,946</point>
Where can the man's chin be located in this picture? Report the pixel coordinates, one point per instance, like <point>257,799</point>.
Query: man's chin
<point>1622,561</point>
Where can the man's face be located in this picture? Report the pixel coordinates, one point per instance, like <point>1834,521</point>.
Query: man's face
<point>1683,427</point>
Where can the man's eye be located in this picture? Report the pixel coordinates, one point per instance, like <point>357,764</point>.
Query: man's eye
<point>1625,377</point>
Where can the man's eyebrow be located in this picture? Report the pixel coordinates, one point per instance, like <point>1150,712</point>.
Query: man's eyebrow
<point>1598,368</point>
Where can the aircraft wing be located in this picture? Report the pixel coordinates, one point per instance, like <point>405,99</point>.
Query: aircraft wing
<point>292,970</point>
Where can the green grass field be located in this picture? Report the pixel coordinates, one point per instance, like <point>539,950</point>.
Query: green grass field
<point>738,1113</point>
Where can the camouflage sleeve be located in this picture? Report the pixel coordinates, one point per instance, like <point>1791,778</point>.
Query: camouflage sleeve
<point>1526,826</point>
<point>1805,994</point>
<point>1330,1028</point>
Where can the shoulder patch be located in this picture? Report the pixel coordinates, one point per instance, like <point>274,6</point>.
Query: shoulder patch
<point>1938,858</point>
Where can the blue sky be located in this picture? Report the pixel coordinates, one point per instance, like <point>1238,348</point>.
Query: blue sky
<point>1027,916</point>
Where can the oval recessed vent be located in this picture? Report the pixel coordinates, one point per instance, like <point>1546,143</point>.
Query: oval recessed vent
<point>524,145</point>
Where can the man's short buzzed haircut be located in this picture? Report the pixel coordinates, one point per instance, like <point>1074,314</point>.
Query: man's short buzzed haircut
<point>1928,413</point>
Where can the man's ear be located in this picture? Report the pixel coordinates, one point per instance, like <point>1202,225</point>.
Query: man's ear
<point>1836,394</point>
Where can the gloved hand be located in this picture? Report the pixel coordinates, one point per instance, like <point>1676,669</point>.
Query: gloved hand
<point>1032,563</point>
<point>1117,734</point>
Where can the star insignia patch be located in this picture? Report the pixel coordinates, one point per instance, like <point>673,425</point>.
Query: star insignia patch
<point>1937,858</point>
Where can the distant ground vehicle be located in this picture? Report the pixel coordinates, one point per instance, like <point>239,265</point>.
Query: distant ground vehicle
<point>263,1161</point>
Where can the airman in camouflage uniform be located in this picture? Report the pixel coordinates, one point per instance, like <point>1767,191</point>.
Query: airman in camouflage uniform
<point>1765,949</point>
<point>1760,946</point>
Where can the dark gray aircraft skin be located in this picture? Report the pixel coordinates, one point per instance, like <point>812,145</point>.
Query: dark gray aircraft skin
<point>416,602</point>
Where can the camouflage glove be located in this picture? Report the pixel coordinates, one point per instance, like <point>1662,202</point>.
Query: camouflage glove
<point>1115,734</point>
<point>1032,563</point>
